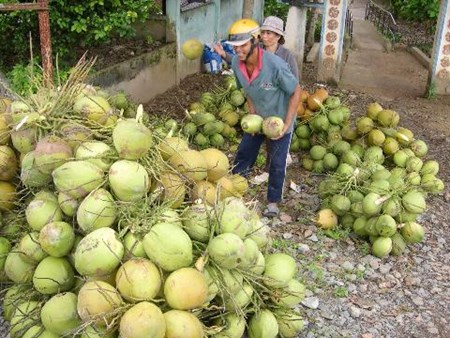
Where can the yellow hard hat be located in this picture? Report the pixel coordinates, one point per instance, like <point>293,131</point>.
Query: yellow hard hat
<point>242,31</point>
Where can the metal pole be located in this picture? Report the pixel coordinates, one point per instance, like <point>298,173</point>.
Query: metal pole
<point>46,45</point>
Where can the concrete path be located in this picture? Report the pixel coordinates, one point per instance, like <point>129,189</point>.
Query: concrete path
<point>371,69</point>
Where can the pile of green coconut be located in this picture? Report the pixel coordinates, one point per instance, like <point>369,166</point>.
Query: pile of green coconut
<point>109,230</point>
<point>377,175</point>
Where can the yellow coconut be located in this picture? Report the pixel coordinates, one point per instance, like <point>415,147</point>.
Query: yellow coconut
<point>326,219</point>
<point>204,190</point>
<point>192,49</point>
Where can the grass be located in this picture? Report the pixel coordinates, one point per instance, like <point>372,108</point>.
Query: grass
<point>341,292</point>
<point>284,244</point>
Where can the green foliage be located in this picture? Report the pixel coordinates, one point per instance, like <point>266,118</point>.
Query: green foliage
<point>416,10</point>
<point>276,8</point>
<point>73,24</point>
<point>24,79</point>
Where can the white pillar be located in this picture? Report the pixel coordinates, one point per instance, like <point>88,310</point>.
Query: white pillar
<point>439,76</point>
<point>332,40</point>
<point>295,34</point>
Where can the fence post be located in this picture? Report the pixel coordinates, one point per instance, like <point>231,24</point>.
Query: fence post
<point>45,40</point>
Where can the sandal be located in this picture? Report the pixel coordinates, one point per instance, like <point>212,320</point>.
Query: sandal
<point>271,211</point>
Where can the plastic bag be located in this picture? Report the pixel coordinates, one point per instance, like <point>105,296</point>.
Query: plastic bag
<point>212,62</point>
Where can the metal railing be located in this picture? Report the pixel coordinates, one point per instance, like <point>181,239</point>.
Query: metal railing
<point>349,27</point>
<point>382,19</point>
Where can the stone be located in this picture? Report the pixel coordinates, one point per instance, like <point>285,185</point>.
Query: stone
<point>303,248</point>
<point>311,302</point>
<point>347,266</point>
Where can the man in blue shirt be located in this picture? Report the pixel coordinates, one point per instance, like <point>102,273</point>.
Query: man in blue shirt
<point>271,90</point>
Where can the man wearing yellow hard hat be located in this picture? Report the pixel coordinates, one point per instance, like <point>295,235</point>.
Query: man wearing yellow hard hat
<point>271,90</point>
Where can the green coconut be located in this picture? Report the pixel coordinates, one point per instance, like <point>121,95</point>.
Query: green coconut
<point>290,323</point>
<point>30,175</point>
<point>25,315</point>
<point>50,153</point>
<point>340,204</point>
<point>280,269</point>
<point>196,222</point>
<point>96,152</point>
<point>8,163</point>
<point>392,206</point>
<point>29,245</point>
<point>24,139</point>
<point>38,331</point>
<point>398,244</point>
<point>359,226</point>
<point>381,247</point>
<point>97,210</point>
<point>77,178</point>
<point>19,268</point>
<point>138,280</point>
<point>182,324</point>
<point>373,109</point>
<point>364,125</point>
<point>386,226</point>
<point>241,299</point>
<point>172,145</point>
<point>413,164</point>
<point>291,295</point>
<point>75,134</point>
<point>263,325</point>
<point>99,253</point>
<point>414,201</point>
<point>233,217</point>
<point>59,314</point>
<point>134,247</point>
<point>53,275</point>
<point>190,163</point>
<point>57,238</point>
<point>251,253</point>
<point>412,232</point>
<point>233,326</point>
<point>430,167</point>
<point>317,152</point>
<point>388,118</point>
<point>168,246</point>
<point>68,204</point>
<point>372,204</point>
<point>376,137</point>
<point>400,158</point>
<point>419,148</point>
<point>272,127</point>
<point>131,139</point>
<point>129,180</point>
<point>186,289</point>
<point>192,49</point>
<point>227,250</point>
<point>97,301</point>
<point>43,209</point>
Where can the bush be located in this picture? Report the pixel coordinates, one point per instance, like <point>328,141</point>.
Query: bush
<point>416,10</point>
<point>82,23</point>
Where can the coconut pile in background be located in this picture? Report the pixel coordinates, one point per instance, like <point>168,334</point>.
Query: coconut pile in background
<point>109,229</point>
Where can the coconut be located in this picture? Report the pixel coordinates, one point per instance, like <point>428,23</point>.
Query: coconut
<point>30,174</point>
<point>217,163</point>
<point>233,326</point>
<point>75,134</point>
<point>373,109</point>
<point>413,164</point>
<point>138,280</point>
<point>134,247</point>
<point>317,152</point>
<point>5,134</point>
<point>364,125</point>
<point>77,178</point>
<point>374,154</point>
<point>388,118</point>
<point>372,204</point>
<point>196,222</point>
<point>25,316</point>
<point>400,158</point>
<point>404,136</point>
<point>225,188</point>
<point>259,266</point>
<point>53,275</point>
<point>192,49</point>
<point>98,253</point>
<point>398,244</point>
<point>24,140</point>
<point>67,204</point>
<point>11,298</point>
<point>233,217</point>
<point>227,250</point>
<point>272,127</point>
<point>50,153</point>
<point>43,209</point>
<point>280,269</point>
<point>38,331</point>
<point>97,301</point>
<point>172,145</point>
<point>419,148</point>
<point>95,108</point>
<point>5,248</point>
<point>290,324</point>
<point>430,167</point>
<point>95,152</point>
<point>412,232</point>
<point>340,204</point>
<point>172,188</point>
<point>259,232</point>
<point>168,246</point>
<point>291,295</point>
<point>340,147</point>
<point>240,299</point>
<point>382,246</point>
<point>182,324</point>
<point>129,180</point>
<point>29,245</point>
<point>386,226</point>
<point>97,210</point>
<point>392,206</point>
<point>326,219</point>
<point>251,253</point>
<point>263,325</point>
<point>205,191</point>
<point>96,331</point>
<point>414,202</point>
<point>432,184</point>
<point>186,289</point>
<point>59,314</point>
<point>18,267</point>
<point>240,184</point>
<point>390,146</point>
<point>190,163</point>
<point>8,163</point>
<point>57,238</point>
<point>132,139</point>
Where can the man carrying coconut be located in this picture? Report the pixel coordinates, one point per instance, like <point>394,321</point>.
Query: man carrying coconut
<point>271,90</point>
